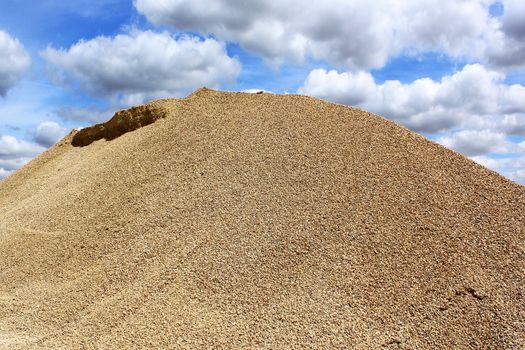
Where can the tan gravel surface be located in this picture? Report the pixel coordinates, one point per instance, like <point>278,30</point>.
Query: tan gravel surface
<point>259,221</point>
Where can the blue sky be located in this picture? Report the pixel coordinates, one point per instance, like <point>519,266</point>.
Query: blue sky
<point>453,71</point>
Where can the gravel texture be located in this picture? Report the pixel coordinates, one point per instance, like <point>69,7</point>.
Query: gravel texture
<point>259,221</point>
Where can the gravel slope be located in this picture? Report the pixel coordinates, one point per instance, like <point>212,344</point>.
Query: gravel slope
<point>259,221</point>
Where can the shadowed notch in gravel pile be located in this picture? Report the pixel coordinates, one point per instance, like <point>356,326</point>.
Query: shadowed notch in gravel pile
<point>260,221</point>
<point>121,123</point>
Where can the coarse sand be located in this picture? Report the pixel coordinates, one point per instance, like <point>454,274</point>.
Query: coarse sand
<point>259,221</point>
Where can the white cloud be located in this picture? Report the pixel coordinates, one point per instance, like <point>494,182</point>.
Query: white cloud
<point>518,176</point>
<point>471,98</point>
<point>48,133</point>
<point>12,148</point>
<point>477,142</point>
<point>487,162</point>
<point>15,153</point>
<point>12,164</point>
<point>513,167</point>
<point>4,173</point>
<point>505,42</point>
<point>89,114</point>
<point>474,110</point>
<point>141,65</point>
<point>512,20</point>
<point>14,61</point>
<point>354,34</point>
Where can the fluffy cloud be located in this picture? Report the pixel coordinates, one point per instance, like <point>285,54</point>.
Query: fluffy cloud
<point>513,167</point>
<point>14,61</point>
<point>354,34</point>
<point>473,111</point>
<point>10,164</point>
<point>512,20</point>
<point>4,173</point>
<point>14,153</point>
<point>477,142</point>
<point>90,114</point>
<point>12,148</point>
<point>472,98</point>
<point>505,43</point>
<point>357,34</point>
<point>142,64</point>
<point>48,133</point>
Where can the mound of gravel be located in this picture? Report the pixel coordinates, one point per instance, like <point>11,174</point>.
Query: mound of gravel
<point>258,221</point>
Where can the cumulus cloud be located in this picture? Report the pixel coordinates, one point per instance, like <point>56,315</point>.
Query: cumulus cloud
<point>4,173</point>
<point>505,42</point>
<point>474,97</point>
<point>477,142</point>
<point>48,133</point>
<point>512,20</point>
<point>140,65</point>
<point>14,61</point>
<point>486,161</point>
<point>354,34</point>
<point>12,148</point>
<point>518,176</point>
<point>14,153</point>
<point>471,111</point>
<point>513,166</point>
<point>8,165</point>
<point>89,114</point>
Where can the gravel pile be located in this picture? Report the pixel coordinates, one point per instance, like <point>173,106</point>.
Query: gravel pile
<point>259,221</point>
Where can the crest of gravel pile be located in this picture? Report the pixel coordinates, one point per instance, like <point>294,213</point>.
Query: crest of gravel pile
<point>258,221</point>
